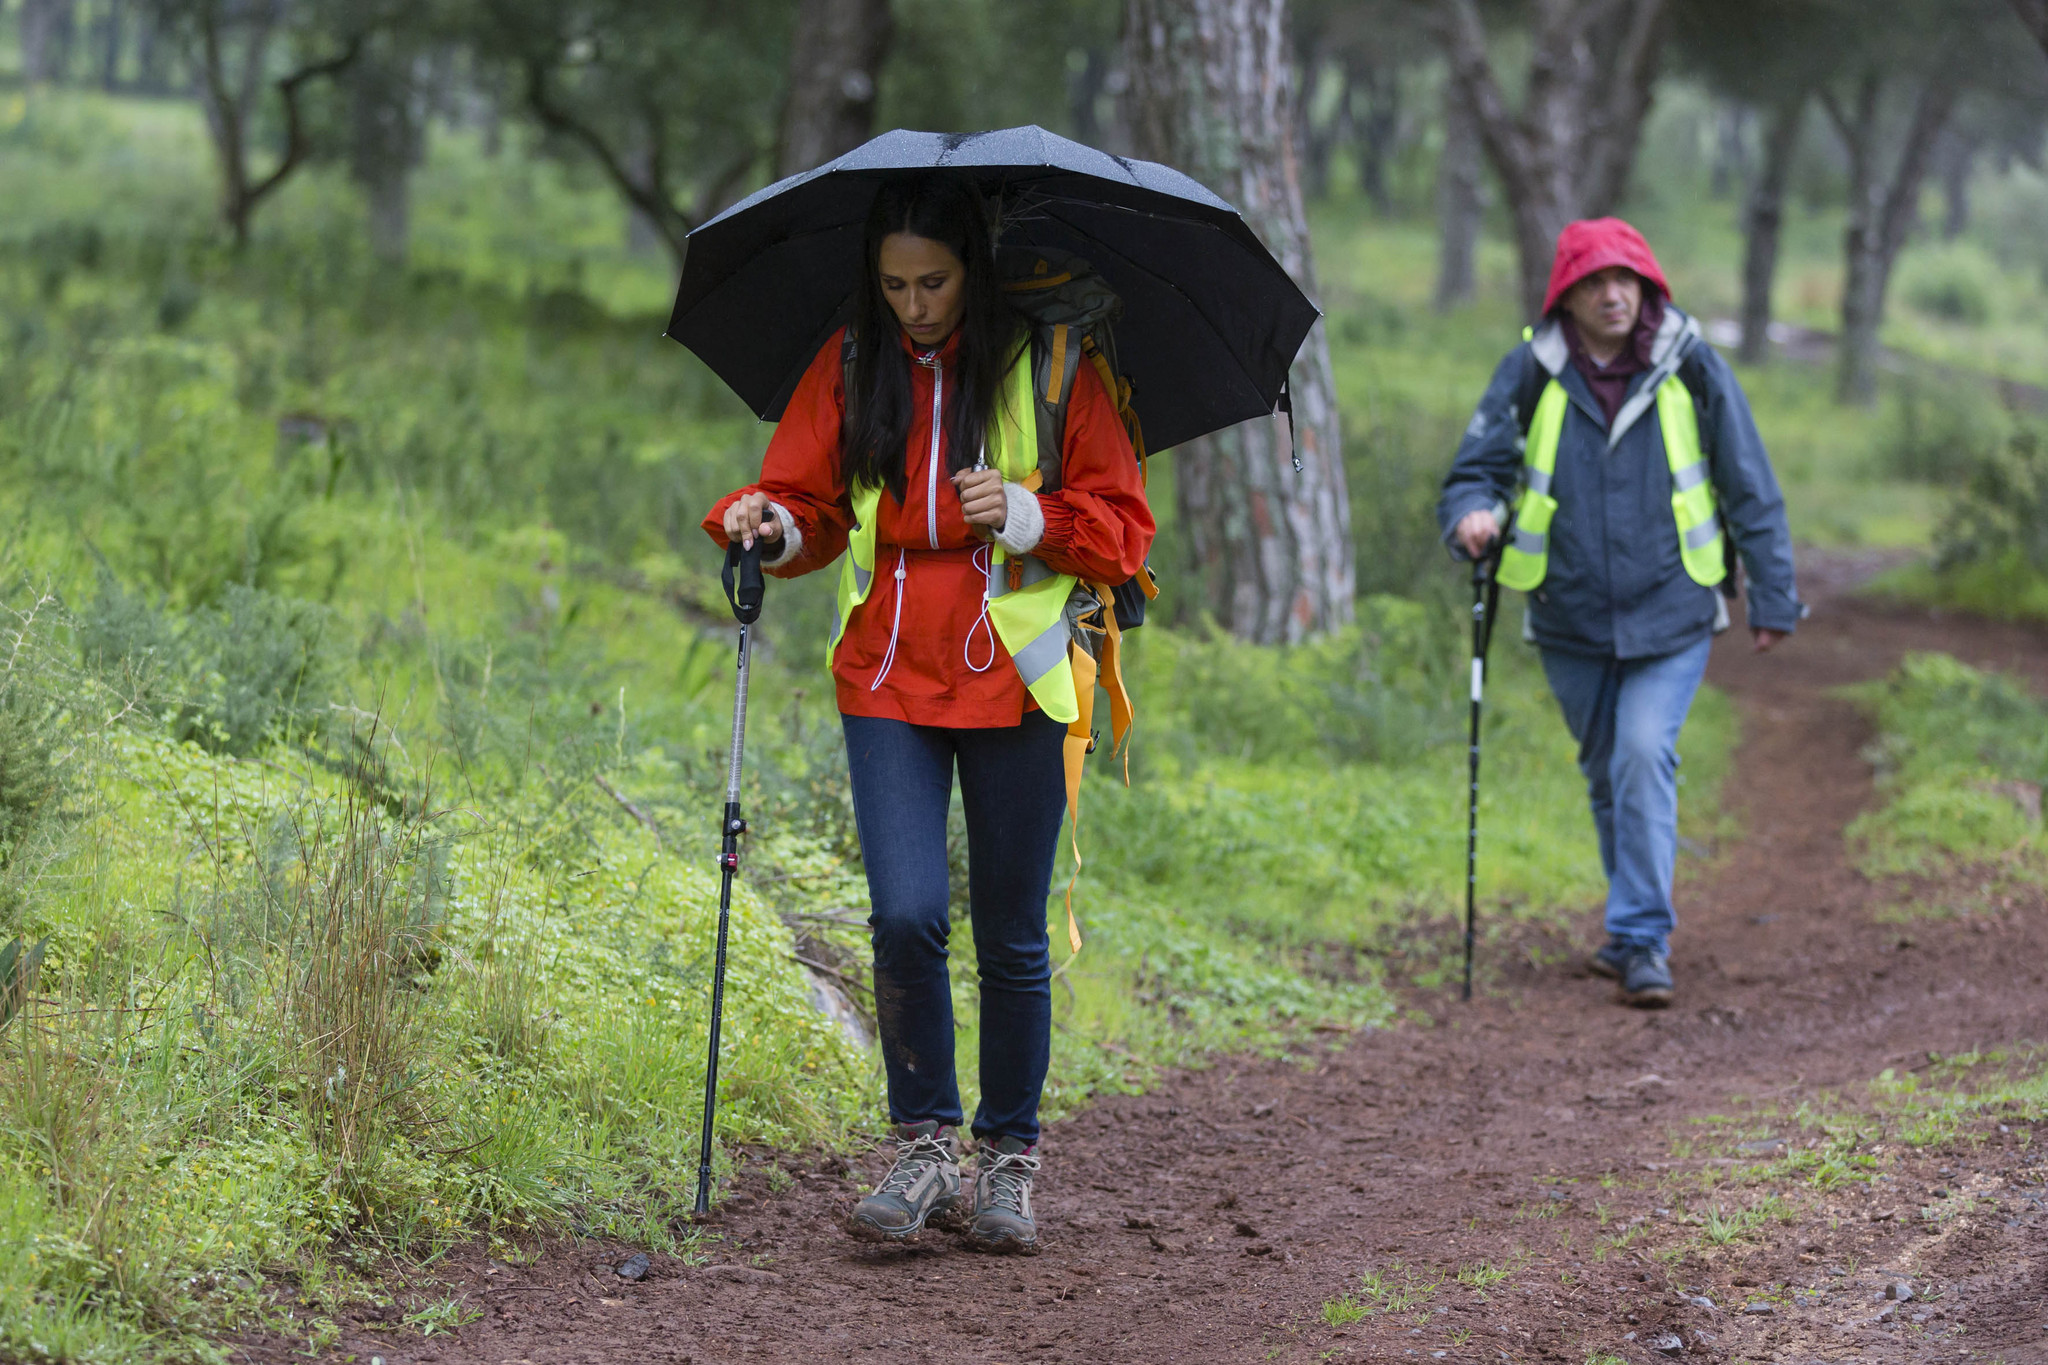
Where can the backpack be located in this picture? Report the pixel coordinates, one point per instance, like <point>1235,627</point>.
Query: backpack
<point>1073,313</point>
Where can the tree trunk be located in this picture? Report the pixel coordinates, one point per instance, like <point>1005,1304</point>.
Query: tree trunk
<point>1958,160</point>
<point>1730,158</point>
<point>110,34</point>
<point>1381,86</point>
<point>1212,92</point>
<point>229,85</point>
<point>1881,215</point>
<point>1569,151</point>
<point>1085,88</point>
<point>151,52</point>
<point>1763,217</point>
<point>835,62</point>
<point>2034,14</point>
<point>45,27</point>
<point>1458,204</point>
<point>387,138</point>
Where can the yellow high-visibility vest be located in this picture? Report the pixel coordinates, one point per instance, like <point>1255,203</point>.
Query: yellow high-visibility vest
<point>1526,559</point>
<point>1029,619</point>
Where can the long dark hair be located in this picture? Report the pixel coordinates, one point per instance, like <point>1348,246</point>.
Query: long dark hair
<point>877,427</point>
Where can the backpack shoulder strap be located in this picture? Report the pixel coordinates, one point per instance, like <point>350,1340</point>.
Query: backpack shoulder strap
<point>1055,357</point>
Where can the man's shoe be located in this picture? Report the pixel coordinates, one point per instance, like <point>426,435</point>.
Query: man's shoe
<point>1611,961</point>
<point>1646,978</point>
<point>924,1183</point>
<point>1002,1199</point>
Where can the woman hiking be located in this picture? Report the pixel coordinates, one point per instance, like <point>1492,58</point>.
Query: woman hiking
<point>891,452</point>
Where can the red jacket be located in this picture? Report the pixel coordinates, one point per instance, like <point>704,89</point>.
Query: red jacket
<point>1097,526</point>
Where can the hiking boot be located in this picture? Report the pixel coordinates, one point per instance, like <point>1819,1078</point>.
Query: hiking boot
<point>1002,1198</point>
<point>1611,961</point>
<point>1646,978</point>
<point>924,1183</point>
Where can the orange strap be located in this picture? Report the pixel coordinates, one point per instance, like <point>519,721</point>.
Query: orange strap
<point>1080,739</point>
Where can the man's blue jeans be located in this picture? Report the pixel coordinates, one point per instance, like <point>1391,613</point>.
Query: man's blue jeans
<point>1626,715</point>
<point>1013,786</point>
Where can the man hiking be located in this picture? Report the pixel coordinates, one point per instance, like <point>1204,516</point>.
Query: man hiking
<point>1641,477</point>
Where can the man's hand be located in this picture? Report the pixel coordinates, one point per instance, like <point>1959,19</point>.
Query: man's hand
<point>981,498</point>
<point>749,517</point>
<point>1476,532</point>
<point>1765,638</point>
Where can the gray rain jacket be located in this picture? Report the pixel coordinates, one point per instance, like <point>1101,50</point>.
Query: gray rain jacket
<point>1615,583</point>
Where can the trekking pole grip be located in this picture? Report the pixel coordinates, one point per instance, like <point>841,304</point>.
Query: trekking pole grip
<point>744,586</point>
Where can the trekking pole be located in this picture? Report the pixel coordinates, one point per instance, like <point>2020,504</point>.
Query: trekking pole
<point>1485,601</point>
<point>745,597</point>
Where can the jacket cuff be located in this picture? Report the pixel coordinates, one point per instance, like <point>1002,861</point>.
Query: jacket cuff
<point>1775,611</point>
<point>792,541</point>
<point>1023,520</point>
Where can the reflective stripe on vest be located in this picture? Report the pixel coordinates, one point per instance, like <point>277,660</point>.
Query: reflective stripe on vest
<point>1030,620</point>
<point>1526,559</point>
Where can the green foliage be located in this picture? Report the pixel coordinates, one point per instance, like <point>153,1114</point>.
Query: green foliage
<point>2002,513</point>
<point>1955,283</point>
<point>1962,756</point>
<point>1934,432</point>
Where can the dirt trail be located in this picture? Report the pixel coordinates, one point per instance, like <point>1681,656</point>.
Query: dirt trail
<point>1213,1219</point>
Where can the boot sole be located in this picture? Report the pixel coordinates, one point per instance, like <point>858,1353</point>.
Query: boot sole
<point>861,1230</point>
<point>1002,1244</point>
<point>1599,968</point>
<point>1655,998</point>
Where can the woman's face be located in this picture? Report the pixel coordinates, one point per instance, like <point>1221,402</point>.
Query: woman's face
<point>925,284</point>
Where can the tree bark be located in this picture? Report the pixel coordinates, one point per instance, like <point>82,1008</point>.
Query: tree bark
<point>2034,14</point>
<point>1958,159</point>
<point>1379,129</point>
<point>1212,92</point>
<point>1763,217</point>
<point>1570,149</point>
<point>387,139</point>
<point>835,64</point>
<point>1881,215</point>
<point>1459,204</point>
<point>111,29</point>
<point>46,30</point>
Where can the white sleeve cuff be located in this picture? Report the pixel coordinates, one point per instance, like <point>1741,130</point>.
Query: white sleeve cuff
<point>792,543</point>
<point>1023,520</point>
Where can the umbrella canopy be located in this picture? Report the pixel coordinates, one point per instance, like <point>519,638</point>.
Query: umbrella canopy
<point>1210,324</point>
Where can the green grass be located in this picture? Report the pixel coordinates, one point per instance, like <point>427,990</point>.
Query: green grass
<point>1959,753</point>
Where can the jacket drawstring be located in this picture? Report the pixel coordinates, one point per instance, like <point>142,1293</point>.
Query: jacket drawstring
<point>983,559</point>
<point>896,621</point>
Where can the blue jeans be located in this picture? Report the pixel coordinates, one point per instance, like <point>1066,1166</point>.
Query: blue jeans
<point>1626,715</point>
<point>1013,786</point>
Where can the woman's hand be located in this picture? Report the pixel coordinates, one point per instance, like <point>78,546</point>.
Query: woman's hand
<point>981,498</point>
<point>749,517</point>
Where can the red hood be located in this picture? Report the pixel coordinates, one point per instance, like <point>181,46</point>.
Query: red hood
<point>1593,244</point>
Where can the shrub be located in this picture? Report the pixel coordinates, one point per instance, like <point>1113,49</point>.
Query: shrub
<point>1934,432</point>
<point>1954,284</point>
<point>2003,510</point>
<point>227,677</point>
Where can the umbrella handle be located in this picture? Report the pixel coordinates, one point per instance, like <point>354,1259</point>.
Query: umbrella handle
<point>745,597</point>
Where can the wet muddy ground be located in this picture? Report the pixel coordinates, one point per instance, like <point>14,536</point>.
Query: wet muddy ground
<point>1525,1178</point>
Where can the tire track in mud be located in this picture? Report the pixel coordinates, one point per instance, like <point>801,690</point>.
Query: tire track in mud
<point>1213,1219</point>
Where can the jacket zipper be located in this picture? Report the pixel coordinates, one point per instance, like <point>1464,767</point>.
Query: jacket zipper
<point>931,502</point>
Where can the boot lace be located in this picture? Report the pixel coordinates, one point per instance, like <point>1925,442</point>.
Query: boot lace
<point>912,1156</point>
<point>1007,1179</point>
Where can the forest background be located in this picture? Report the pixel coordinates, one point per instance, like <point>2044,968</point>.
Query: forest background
<point>366,679</point>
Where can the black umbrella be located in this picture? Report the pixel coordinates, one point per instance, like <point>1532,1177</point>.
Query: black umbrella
<point>1210,324</point>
